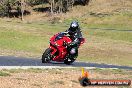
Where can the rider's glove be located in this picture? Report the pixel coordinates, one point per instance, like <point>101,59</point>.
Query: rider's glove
<point>75,43</point>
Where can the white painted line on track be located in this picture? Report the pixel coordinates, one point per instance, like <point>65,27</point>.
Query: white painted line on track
<point>41,67</point>
<point>46,67</point>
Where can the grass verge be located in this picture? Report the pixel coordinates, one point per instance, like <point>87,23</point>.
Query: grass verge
<point>106,42</point>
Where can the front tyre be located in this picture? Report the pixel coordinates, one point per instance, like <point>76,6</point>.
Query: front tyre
<point>46,57</point>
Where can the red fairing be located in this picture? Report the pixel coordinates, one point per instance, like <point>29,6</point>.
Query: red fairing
<point>52,39</point>
<point>58,45</point>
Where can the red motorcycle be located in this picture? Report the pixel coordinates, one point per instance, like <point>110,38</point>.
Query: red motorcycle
<point>61,49</point>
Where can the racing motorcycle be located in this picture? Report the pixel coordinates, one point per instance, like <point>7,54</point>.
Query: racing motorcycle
<point>61,49</point>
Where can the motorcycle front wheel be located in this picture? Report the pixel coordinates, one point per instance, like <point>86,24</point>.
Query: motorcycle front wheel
<point>46,57</point>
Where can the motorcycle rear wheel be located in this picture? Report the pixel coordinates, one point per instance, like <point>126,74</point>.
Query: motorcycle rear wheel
<point>46,57</point>
<point>68,62</point>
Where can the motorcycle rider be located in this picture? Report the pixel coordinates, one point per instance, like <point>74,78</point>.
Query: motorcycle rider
<point>74,33</point>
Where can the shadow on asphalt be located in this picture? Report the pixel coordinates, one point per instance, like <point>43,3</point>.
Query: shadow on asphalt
<point>22,61</point>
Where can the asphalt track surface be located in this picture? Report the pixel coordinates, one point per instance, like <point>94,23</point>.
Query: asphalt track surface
<point>21,61</point>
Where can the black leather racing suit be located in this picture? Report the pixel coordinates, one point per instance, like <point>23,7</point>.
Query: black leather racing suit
<point>75,37</point>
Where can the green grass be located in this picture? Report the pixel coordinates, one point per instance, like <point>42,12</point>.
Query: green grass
<point>2,73</point>
<point>20,41</point>
<point>34,70</point>
<point>116,26</point>
<point>115,34</point>
<point>101,38</point>
<point>29,37</point>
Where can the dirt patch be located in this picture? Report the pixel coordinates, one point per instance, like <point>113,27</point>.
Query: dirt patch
<point>56,78</point>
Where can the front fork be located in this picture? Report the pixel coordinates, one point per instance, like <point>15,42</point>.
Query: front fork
<point>53,54</point>
<point>53,50</point>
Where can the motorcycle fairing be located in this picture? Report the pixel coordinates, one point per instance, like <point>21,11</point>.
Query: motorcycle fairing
<point>57,45</point>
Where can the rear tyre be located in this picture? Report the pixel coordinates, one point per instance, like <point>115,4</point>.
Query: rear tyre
<point>46,57</point>
<point>68,62</point>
